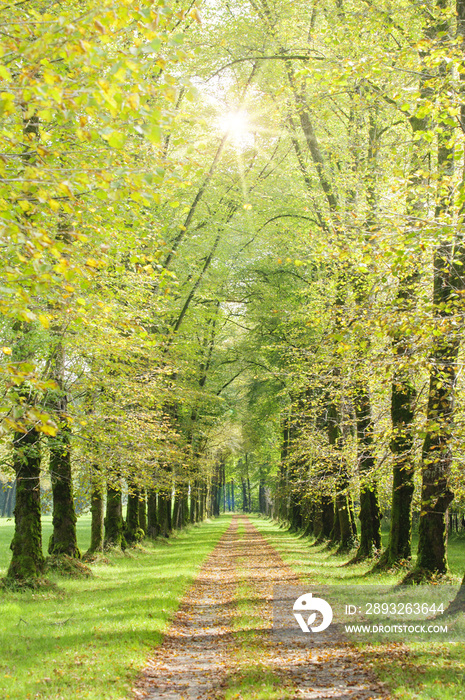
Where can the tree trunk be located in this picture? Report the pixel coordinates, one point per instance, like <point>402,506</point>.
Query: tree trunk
<point>295,498</point>
<point>245,505</point>
<point>202,502</point>
<point>63,539</point>
<point>437,459</point>
<point>114,523</point>
<point>27,561</point>
<point>261,497</point>
<point>153,527</point>
<point>96,536</point>
<point>194,501</point>
<point>370,516</point>
<point>282,506</point>
<point>348,532</point>
<point>143,510</point>
<point>343,528</point>
<point>335,534</point>
<point>403,400</point>
<point>185,508</point>
<point>324,519</point>
<point>180,507</point>
<point>177,509</point>
<point>132,529</point>
<point>164,514</point>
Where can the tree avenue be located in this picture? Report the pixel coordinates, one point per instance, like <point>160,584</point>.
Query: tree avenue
<point>232,270</point>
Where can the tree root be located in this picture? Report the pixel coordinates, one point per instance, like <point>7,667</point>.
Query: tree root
<point>417,576</point>
<point>67,566</point>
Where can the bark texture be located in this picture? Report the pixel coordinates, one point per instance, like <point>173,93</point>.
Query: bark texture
<point>153,528</point>
<point>132,530</point>
<point>63,539</point>
<point>370,515</point>
<point>114,523</point>
<point>27,561</point>
<point>97,512</point>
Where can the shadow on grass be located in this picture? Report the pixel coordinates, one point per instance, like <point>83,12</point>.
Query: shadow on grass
<point>89,638</point>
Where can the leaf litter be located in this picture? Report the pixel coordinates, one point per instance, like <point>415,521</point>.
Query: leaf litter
<point>206,655</point>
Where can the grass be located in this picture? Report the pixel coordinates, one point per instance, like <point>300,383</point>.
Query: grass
<point>7,530</point>
<point>413,671</point>
<point>88,638</point>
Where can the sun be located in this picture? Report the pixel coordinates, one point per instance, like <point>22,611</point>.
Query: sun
<point>236,125</point>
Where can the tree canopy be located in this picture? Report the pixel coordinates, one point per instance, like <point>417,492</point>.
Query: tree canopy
<point>232,239</point>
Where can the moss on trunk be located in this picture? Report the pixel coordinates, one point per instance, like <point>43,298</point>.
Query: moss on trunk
<point>143,510</point>
<point>335,534</point>
<point>348,532</point>
<point>202,509</point>
<point>114,524</point>
<point>295,510</point>
<point>153,527</point>
<point>63,539</point>
<point>324,518</point>
<point>194,506</point>
<point>436,494</point>
<point>28,560</point>
<point>164,514</point>
<point>96,508</point>
<point>403,400</point>
<point>370,515</point>
<point>370,521</point>
<point>132,530</point>
<point>178,506</point>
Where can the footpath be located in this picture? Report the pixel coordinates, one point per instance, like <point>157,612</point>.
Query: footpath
<point>221,644</point>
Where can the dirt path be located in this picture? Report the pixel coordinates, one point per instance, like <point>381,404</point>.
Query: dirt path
<point>221,641</point>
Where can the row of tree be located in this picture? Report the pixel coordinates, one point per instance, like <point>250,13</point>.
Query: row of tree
<point>233,230</point>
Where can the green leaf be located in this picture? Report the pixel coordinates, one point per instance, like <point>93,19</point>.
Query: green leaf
<point>117,139</point>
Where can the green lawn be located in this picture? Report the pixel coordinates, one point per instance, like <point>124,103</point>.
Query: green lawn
<point>435,671</point>
<point>7,529</point>
<point>88,638</point>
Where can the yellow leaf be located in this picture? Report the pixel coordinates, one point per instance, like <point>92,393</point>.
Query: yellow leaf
<point>53,204</point>
<point>24,204</point>
<point>5,73</point>
<point>49,78</point>
<point>194,13</point>
<point>120,74</point>
<point>6,351</point>
<point>85,46</point>
<point>134,100</point>
<point>44,321</point>
<point>65,187</point>
<point>48,429</point>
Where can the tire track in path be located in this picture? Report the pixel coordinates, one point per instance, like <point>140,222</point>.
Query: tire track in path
<point>210,649</point>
